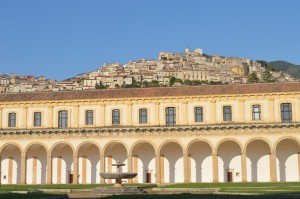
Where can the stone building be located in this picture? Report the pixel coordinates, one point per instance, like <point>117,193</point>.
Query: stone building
<point>222,133</point>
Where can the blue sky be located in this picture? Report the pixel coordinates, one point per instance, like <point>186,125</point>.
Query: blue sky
<point>61,38</point>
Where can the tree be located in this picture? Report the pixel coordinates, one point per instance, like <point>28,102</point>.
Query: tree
<point>187,82</point>
<point>172,80</point>
<point>252,77</point>
<point>267,76</point>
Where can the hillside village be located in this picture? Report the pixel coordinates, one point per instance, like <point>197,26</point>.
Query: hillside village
<point>170,69</point>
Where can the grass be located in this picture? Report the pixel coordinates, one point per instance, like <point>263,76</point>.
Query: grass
<point>27,196</point>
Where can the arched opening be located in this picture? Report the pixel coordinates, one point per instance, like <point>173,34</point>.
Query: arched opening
<point>287,160</point>
<point>171,163</point>
<point>229,162</point>
<point>11,165</point>
<point>143,162</point>
<point>62,164</point>
<point>200,162</point>
<point>115,152</point>
<point>88,164</point>
<point>36,164</point>
<point>258,161</point>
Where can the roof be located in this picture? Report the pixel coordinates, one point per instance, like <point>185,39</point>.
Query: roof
<point>152,92</point>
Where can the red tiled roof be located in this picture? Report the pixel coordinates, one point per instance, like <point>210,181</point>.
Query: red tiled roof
<point>152,92</point>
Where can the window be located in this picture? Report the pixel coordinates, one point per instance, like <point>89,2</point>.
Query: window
<point>63,119</point>
<point>12,120</point>
<point>256,110</point>
<point>198,114</point>
<point>89,117</point>
<point>170,116</point>
<point>143,116</point>
<point>116,116</point>
<point>37,119</point>
<point>286,112</point>
<point>227,113</point>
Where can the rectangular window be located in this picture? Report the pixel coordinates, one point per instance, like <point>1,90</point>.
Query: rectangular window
<point>198,114</point>
<point>256,112</point>
<point>37,120</point>
<point>12,119</point>
<point>227,116</point>
<point>170,116</point>
<point>286,112</point>
<point>89,117</point>
<point>116,116</point>
<point>63,119</point>
<point>143,116</point>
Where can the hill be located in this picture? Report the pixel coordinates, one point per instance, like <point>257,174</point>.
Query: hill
<point>286,67</point>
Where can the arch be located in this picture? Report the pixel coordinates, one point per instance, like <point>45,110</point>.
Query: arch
<point>62,142</point>
<point>287,159</point>
<point>257,152</point>
<point>37,143</point>
<point>114,142</point>
<point>141,141</point>
<point>229,160</point>
<point>87,142</point>
<point>244,150</point>
<point>200,162</point>
<point>225,140</point>
<point>15,144</point>
<point>167,142</point>
<point>198,140</point>
<point>286,138</point>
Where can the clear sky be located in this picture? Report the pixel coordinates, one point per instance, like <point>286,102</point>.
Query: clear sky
<point>62,38</point>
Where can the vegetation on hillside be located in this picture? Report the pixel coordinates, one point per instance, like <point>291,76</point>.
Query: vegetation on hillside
<point>289,68</point>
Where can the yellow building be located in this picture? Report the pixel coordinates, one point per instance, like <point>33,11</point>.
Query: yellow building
<point>219,133</point>
<point>238,70</point>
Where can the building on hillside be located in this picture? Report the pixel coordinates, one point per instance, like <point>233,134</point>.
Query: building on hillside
<point>221,133</point>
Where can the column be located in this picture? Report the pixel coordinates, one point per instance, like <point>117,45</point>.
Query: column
<point>23,170</point>
<point>75,173</point>
<point>135,167</point>
<point>215,167</point>
<point>162,168</point>
<point>190,168</point>
<point>10,170</point>
<point>102,168</point>
<point>1,123</point>
<point>185,168</point>
<point>0,158</point>
<point>34,169</point>
<point>273,173</point>
<point>49,169</point>
<point>129,162</point>
<point>58,181</point>
<point>244,167</point>
<point>157,169</point>
<point>109,166</point>
<point>83,172</point>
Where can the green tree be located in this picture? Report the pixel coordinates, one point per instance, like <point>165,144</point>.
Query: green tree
<point>187,82</point>
<point>172,80</point>
<point>252,77</point>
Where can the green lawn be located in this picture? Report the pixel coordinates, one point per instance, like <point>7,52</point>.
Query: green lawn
<point>27,196</point>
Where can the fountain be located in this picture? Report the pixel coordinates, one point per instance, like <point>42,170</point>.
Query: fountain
<point>119,175</point>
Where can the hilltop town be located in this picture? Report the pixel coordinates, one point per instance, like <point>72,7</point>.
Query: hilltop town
<point>192,67</point>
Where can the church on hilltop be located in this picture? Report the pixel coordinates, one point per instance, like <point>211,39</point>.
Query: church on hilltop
<point>218,133</point>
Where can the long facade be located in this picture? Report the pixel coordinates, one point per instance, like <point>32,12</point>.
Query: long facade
<point>225,133</point>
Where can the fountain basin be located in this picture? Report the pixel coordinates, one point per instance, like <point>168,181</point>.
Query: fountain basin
<point>118,175</point>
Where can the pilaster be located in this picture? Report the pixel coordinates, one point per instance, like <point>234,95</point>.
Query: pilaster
<point>184,113</point>
<point>213,118</point>
<point>241,111</point>
<point>129,114</point>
